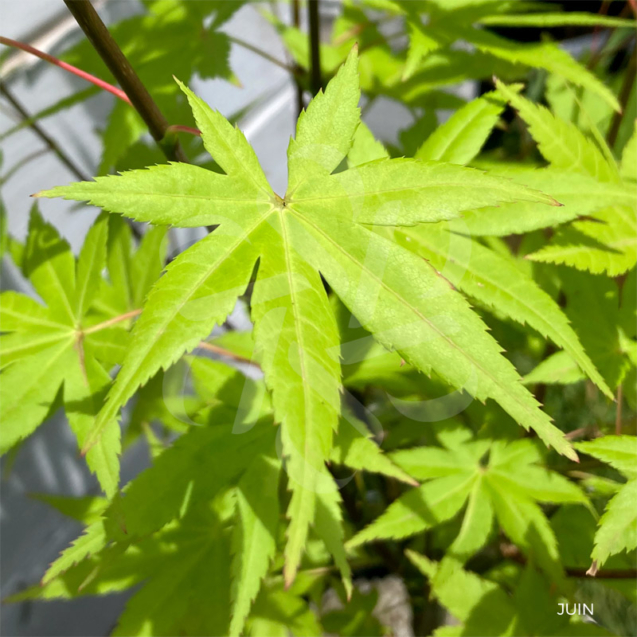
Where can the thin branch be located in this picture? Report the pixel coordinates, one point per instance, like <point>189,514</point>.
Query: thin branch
<point>227,353</point>
<point>314,18</point>
<point>117,92</point>
<point>103,42</point>
<point>39,131</point>
<point>113,321</point>
<point>618,413</point>
<point>296,21</point>
<point>216,349</point>
<point>264,54</point>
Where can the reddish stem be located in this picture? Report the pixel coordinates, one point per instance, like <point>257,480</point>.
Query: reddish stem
<point>179,128</point>
<point>67,67</point>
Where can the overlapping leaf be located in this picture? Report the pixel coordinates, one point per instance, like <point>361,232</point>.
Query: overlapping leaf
<point>316,228</point>
<point>508,488</point>
<point>44,348</point>
<point>617,529</point>
<point>485,607</point>
<point>607,243</point>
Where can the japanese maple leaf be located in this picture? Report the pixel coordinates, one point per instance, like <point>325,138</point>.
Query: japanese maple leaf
<point>321,227</point>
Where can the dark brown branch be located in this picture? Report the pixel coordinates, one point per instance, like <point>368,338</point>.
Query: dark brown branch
<point>40,132</point>
<point>296,20</point>
<point>103,42</point>
<point>314,18</point>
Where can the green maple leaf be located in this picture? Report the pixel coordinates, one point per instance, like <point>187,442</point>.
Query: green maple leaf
<point>45,348</point>
<point>67,346</point>
<point>508,487</point>
<point>450,21</point>
<point>609,242</point>
<point>319,226</point>
<point>617,529</point>
<point>473,268</point>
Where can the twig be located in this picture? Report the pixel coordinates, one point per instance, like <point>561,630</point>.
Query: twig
<point>264,54</point>
<point>103,42</point>
<point>39,131</point>
<point>67,67</point>
<point>618,412</point>
<point>314,19</point>
<point>296,20</point>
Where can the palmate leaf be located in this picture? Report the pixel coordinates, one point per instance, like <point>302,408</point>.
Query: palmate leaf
<point>316,228</point>
<point>47,347</point>
<point>559,141</point>
<point>608,243</point>
<point>508,488</point>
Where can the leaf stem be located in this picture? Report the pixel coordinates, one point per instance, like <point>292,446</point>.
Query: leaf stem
<point>264,54</point>
<point>103,42</point>
<point>67,67</point>
<point>314,19</point>
<point>173,129</point>
<point>112,321</point>
<point>227,353</point>
<point>211,347</point>
<point>39,131</point>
